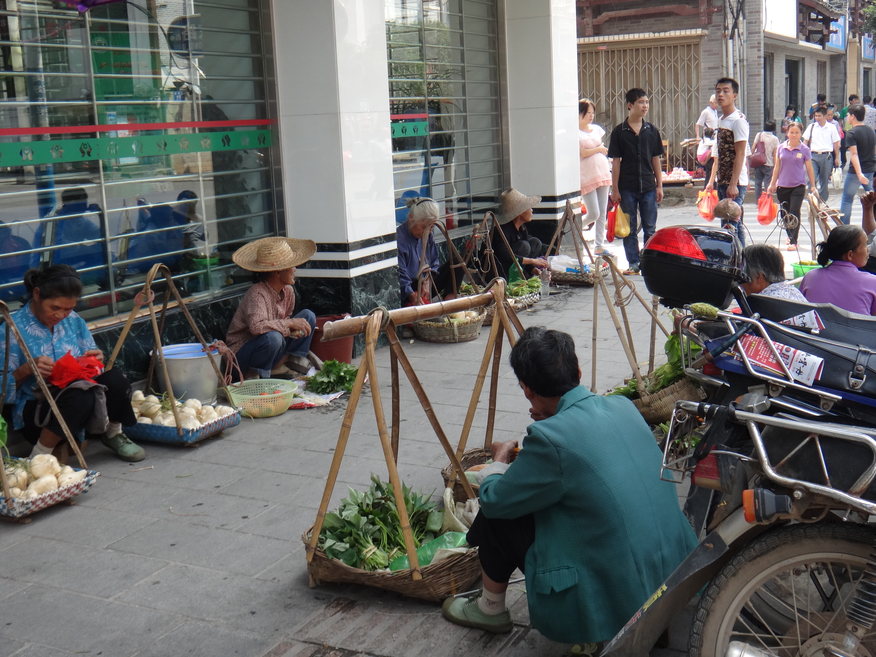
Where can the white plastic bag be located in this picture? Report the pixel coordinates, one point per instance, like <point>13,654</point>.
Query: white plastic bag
<point>563,263</point>
<point>836,178</point>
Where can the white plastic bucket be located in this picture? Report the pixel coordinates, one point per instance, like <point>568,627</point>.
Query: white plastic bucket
<point>190,372</point>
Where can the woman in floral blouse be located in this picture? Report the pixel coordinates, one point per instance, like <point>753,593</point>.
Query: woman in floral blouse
<point>50,328</point>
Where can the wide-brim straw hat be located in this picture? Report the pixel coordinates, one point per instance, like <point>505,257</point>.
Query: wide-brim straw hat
<point>274,253</point>
<point>512,204</point>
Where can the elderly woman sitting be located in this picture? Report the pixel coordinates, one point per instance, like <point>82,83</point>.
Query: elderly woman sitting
<point>765,268</point>
<point>409,237</point>
<point>840,280</point>
<point>263,334</point>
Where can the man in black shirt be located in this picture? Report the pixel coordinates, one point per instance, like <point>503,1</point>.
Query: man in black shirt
<point>636,180</point>
<point>861,145</point>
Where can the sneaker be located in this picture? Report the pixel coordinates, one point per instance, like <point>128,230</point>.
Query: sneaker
<point>465,611</point>
<point>282,372</point>
<point>124,448</point>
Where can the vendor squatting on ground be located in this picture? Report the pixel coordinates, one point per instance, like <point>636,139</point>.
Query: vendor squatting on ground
<point>263,334</point>
<point>50,329</point>
<point>557,513</point>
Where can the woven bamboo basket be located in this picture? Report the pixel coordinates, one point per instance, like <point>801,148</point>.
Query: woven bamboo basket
<point>440,580</point>
<point>446,331</point>
<point>472,457</point>
<point>570,278</point>
<point>657,408</point>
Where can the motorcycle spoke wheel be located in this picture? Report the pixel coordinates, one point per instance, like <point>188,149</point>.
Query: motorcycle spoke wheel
<point>786,592</point>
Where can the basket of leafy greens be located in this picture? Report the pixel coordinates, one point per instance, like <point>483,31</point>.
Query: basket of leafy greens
<point>335,376</point>
<point>666,385</point>
<point>362,543</point>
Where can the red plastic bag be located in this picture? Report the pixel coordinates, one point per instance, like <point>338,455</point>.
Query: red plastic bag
<point>706,202</point>
<point>767,210</point>
<point>610,221</point>
<point>68,369</point>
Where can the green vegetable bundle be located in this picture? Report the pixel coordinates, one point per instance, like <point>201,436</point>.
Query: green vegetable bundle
<point>366,530</point>
<point>522,288</point>
<point>665,375</point>
<point>334,377</point>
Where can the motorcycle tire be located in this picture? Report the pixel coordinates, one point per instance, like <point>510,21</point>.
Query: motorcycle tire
<point>747,597</point>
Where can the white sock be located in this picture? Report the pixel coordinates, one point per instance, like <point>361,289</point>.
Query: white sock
<point>492,604</point>
<point>39,448</point>
<point>113,429</point>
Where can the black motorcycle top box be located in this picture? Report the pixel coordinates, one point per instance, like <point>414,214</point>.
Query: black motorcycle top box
<point>692,264</point>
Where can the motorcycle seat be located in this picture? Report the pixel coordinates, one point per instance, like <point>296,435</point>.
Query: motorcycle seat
<point>839,325</point>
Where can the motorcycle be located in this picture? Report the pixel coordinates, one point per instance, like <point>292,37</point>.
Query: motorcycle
<point>781,463</point>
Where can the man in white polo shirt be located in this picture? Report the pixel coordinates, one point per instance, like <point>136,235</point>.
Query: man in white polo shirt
<point>823,140</point>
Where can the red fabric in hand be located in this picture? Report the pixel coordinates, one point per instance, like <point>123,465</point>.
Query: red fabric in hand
<point>68,369</point>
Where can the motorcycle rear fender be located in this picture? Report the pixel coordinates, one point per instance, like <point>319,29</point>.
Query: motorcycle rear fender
<point>638,636</point>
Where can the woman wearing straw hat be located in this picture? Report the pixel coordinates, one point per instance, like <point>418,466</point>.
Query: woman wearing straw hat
<point>263,332</point>
<point>515,211</point>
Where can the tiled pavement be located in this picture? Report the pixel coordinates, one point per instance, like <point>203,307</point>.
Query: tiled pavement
<point>202,555</point>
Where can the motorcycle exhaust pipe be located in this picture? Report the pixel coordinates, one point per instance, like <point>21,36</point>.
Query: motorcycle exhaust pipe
<point>739,649</point>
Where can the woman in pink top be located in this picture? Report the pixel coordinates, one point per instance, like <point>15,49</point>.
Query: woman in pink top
<point>793,163</point>
<point>840,280</point>
<point>595,172</point>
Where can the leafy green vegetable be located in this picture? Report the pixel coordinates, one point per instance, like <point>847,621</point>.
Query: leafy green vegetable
<point>366,530</point>
<point>663,376</point>
<point>335,376</point>
<point>522,288</point>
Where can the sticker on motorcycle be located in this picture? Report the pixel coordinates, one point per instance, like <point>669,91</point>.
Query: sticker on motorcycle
<point>803,367</point>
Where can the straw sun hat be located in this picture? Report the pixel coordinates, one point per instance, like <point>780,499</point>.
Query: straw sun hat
<point>274,253</point>
<point>513,204</point>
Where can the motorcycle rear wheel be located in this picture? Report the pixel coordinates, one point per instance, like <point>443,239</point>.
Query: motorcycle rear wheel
<point>786,592</point>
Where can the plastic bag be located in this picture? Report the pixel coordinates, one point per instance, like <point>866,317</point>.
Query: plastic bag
<point>706,202</point>
<point>68,369</point>
<point>610,220</point>
<point>836,178</point>
<point>621,222</point>
<point>563,264</point>
<point>704,151</point>
<point>766,209</point>
<point>426,552</point>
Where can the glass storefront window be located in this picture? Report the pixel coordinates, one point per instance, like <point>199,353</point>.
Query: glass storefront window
<point>128,138</point>
<point>444,104</point>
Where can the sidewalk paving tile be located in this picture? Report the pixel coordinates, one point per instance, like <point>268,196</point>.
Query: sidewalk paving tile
<point>206,639</point>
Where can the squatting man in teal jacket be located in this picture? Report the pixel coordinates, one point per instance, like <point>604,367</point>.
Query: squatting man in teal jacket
<point>581,510</point>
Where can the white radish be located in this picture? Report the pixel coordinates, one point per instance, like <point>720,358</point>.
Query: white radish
<point>71,478</point>
<point>138,397</point>
<point>144,420</point>
<point>222,411</point>
<point>190,422</point>
<point>193,403</point>
<point>17,477</point>
<point>44,464</point>
<point>45,484</point>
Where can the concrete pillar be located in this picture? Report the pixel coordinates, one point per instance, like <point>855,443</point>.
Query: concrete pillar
<point>334,125</point>
<point>542,73</point>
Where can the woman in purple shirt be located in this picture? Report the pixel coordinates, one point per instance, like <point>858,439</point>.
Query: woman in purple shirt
<point>841,282</point>
<point>793,162</point>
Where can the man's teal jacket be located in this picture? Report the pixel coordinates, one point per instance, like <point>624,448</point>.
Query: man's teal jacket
<point>608,532</point>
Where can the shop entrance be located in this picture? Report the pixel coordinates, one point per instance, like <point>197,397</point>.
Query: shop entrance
<point>793,84</point>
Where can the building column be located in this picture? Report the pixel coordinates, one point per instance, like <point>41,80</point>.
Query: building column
<point>334,124</point>
<point>542,76</point>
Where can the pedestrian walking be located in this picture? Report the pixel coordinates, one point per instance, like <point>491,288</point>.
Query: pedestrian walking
<point>635,147</point>
<point>730,174</point>
<point>861,142</point>
<point>595,171</point>
<point>824,141</point>
<point>870,118</point>
<point>854,99</point>
<point>708,122</point>
<point>791,116</point>
<point>820,102</point>
<point>793,165</point>
<point>763,173</point>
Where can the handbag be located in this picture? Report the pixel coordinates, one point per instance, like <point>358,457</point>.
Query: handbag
<point>758,156</point>
<point>621,222</point>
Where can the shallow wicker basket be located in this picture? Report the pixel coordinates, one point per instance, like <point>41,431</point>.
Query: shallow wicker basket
<point>521,303</point>
<point>21,508</point>
<point>569,278</point>
<point>162,434</point>
<point>445,331</point>
<point>658,407</point>
<point>440,580</point>
<point>472,457</point>
<point>247,396</point>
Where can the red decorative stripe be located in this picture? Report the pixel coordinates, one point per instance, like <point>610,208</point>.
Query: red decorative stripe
<point>64,130</point>
<point>398,117</point>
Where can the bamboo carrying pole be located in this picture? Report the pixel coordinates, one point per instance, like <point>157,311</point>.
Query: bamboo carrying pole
<point>383,320</point>
<point>147,296</point>
<point>10,326</point>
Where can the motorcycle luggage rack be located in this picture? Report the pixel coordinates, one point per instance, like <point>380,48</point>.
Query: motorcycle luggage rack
<point>826,399</point>
<point>677,456</point>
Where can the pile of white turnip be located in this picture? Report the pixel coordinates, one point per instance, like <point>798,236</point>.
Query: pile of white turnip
<point>30,478</point>
<point>150,409</point>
